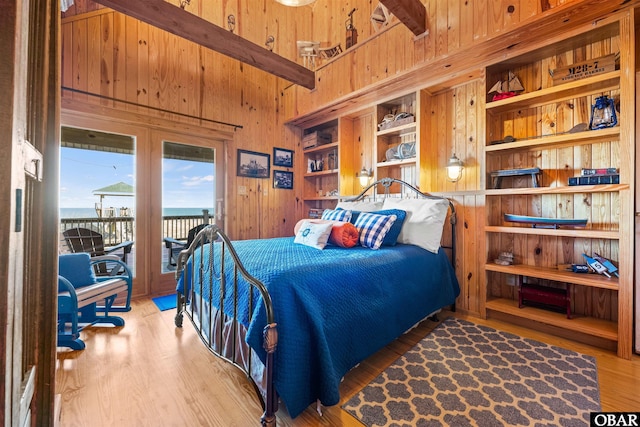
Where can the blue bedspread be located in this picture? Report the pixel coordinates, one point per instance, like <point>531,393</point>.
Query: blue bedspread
<point>336,307</point>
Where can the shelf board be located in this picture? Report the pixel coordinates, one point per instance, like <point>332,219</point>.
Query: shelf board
<point>320,198</point>
<point>569,189</point>
<point>589,85</point>
<point>391,163</point>
<point>586,325</point>
<point>557,232</point>
<point>321,173</point>
<point>397,129</point>
<point>588,279</point>
<point>565,139</point>
<point>321,148</point>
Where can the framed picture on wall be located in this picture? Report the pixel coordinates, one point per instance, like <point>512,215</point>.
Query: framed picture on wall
<point>253,164</point>
<point>282,157</point>
<point>283,179</point>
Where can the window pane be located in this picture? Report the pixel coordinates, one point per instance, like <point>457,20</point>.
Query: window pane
<point>188,195</point>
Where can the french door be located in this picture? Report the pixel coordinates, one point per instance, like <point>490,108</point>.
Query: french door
<point>187,190</point>
<point>171,172</point>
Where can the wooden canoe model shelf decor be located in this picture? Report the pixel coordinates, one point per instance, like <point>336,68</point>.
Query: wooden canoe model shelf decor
<point>541,222</point>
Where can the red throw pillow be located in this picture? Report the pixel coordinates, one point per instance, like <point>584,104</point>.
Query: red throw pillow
<point>344,235</point>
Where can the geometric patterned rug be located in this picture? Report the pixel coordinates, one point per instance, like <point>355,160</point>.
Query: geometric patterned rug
<point>464,374</point>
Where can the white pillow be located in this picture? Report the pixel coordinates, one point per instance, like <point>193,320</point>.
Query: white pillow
<point>424,222</point>
<point>361,206</point>
<point>313,234</point>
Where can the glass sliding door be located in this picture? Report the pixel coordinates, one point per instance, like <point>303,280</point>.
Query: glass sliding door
<point>97,193</point>
<point>190,196</point>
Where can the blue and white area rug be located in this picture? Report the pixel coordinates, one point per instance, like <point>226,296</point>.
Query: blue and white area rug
<point>464,374</point>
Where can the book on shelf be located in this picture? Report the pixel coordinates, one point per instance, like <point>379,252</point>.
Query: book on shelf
<point>598,171</point>
<point>595,179</point>
<point>315,213</point>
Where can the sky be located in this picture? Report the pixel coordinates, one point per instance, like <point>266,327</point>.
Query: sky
<point>186,184</point>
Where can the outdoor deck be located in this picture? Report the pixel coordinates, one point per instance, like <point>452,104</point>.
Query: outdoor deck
<point>116,230</point>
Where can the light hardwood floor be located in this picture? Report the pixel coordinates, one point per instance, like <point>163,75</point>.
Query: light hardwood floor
<point>150,373</point>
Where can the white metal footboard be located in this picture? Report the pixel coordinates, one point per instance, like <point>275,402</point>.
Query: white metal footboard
<point>223,334</point>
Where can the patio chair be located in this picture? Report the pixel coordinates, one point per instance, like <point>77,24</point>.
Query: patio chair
<point>85,299</point>
<point>85,240</point>
<point>174,246</point>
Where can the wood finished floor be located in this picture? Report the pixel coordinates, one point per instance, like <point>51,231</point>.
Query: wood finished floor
<point>150,373</point>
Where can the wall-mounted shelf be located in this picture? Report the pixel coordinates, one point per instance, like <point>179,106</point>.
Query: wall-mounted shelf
<point>583,87</point>
<point>557,232</point>
<point>555,110</point>
<point>585,325</point>
<point>569,189</point>
<point>563,140</point>
<point>588,279</point>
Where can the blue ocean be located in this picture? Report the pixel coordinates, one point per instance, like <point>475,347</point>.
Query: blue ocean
<point>91,212</point>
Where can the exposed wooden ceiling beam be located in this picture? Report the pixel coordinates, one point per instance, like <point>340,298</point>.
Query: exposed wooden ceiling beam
<point>411,13</point>
<point>178,21</point>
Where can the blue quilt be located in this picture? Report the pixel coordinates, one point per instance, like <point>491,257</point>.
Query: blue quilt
<point>334,307</point>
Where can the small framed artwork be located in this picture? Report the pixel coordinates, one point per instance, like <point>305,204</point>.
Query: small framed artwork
<point>283,179</point>
<point>253,164</point>
<point>282,157</point>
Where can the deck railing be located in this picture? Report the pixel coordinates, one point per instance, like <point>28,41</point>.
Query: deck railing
<point>116,230</point>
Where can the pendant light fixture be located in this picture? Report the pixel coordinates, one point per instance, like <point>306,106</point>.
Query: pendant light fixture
<point>295,3</point>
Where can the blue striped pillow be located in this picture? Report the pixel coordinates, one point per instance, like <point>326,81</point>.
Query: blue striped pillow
<point>372,228</point>
<point>343,215</point>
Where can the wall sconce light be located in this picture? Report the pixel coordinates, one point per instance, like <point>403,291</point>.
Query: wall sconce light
<point>364,175</point>
<point>454,168</point>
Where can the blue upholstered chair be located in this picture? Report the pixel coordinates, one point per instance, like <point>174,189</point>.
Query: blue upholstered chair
<point>84,299</point>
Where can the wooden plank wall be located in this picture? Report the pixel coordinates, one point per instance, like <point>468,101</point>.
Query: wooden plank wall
<point>112,55</point>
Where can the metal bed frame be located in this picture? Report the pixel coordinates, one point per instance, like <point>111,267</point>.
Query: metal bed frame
<point>228,350</point>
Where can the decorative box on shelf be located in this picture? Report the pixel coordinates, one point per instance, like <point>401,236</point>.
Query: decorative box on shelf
<point>315,139</point>
<point>557,299</point>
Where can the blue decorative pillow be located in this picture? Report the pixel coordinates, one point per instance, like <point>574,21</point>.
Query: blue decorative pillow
<point>392,236</point>
<point>76,269</point>
<point>373,228</point>
<point>343,215</point>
